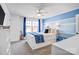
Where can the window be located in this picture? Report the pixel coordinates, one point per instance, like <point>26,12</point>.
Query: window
<point>31,26</point>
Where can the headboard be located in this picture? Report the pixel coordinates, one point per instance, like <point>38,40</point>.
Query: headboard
<point>53,31</point>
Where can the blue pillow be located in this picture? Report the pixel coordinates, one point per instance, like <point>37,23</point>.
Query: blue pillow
<point>59,38</point>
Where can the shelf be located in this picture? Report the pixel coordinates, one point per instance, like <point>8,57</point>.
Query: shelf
<point>4,27</point>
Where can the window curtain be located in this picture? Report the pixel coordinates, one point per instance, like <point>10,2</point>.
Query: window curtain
<point>24,27</point>
<point>39,28</point>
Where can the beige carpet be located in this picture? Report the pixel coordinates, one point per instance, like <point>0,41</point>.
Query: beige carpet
<point>22,48</point>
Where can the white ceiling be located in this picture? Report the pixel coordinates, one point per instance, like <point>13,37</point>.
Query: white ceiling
<point>29,9</point>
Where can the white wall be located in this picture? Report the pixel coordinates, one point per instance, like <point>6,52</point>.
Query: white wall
<point>41,24</point>
<point>16,24</point>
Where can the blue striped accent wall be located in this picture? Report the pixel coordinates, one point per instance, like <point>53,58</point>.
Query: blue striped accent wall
<point>69,14</point>
<point>67,21</point>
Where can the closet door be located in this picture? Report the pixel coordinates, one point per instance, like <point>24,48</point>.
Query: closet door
<point>4,43</point>
<point>77,23</point>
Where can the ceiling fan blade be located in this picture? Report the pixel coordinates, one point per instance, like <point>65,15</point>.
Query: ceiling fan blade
<point>41,11</point>
<point>44,12</point>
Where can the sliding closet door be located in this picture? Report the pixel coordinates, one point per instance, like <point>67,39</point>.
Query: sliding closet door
<point>77,23</point>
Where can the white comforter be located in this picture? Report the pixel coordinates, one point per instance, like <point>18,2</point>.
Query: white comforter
<point>49,38</point>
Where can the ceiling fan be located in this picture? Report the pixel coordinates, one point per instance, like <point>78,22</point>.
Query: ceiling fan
<point>39,13</point>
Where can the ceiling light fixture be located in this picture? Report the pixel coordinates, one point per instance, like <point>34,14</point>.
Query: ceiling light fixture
<point>39,15</point>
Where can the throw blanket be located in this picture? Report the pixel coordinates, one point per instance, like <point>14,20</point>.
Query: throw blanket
<point>38,37</point>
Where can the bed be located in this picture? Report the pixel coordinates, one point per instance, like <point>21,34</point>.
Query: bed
<point>49,38</point>
<point>70,45</point>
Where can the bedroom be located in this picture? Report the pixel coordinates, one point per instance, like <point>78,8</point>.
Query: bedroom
<point>55,23</point>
